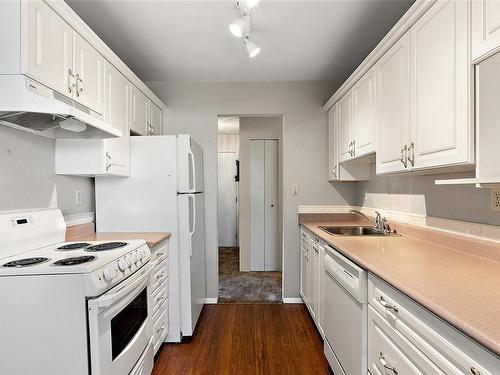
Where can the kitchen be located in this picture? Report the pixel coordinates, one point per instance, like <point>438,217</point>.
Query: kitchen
<point>402,125</point>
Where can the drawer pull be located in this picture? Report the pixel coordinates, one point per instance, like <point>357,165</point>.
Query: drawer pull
<point>160,254</point>
<point>383,362</point>
<point>161,328</point>
<point>384,303</point>
<point>475,371</point>
<point>161,275</point>
<point>160,298</point>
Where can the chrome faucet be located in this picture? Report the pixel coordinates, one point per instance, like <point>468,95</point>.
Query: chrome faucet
<point>381,223</point>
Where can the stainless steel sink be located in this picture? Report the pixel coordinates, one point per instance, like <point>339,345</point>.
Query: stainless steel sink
<point>355,231</point>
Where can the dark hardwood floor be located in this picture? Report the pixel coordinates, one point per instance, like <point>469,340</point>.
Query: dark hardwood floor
<point>248,339</point>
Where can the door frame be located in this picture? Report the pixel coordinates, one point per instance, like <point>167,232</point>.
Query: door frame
<point>281,191</point>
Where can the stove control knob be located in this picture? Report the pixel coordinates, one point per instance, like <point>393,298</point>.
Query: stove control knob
<point>123,264</point>
<point>136,256</point>
<point>109,274</point>
<point>130,260</point>
<point>143,253</point>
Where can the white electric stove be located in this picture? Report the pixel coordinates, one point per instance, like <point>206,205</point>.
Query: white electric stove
<point>71,307</point>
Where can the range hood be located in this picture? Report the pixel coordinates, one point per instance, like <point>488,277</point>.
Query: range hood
<point>30,106</point>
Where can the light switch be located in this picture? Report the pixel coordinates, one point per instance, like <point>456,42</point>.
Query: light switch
<point>78,197</point>
<point>295,190</point>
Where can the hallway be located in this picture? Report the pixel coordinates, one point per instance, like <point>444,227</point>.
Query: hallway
<point>245,287</point>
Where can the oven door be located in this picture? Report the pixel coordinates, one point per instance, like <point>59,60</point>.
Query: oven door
<point>119,325</point>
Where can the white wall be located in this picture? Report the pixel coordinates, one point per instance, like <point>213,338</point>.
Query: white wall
<point>193,108</point>
<point>256,128</point>
<point>27,179</point>
<point>418,194</point>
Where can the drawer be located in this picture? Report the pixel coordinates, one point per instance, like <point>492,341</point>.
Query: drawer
<point>159,296</point>
<point>159,254</point>
<point>450,350</point>
<point>160,330</point>
<point>390,353</point>
<point>160,274</point>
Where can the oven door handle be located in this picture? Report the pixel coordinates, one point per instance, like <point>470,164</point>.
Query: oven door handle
<point>138,283</point>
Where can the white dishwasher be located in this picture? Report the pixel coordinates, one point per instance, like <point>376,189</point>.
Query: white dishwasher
<point>346,314</point>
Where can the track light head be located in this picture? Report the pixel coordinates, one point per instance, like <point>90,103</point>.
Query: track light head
<point>252,48</point>
<point>240,26</point>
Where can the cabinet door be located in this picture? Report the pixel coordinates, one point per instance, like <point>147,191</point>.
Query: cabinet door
<point>49,47</point>
<point>89,75</point>
<point>316,286</point>
<point>344,122</point>
<point>485,27</point>
<point>393,106</point>
<point>155,116</point>
<point>117,114</point>
<point>441,123</point>
<point>140,112</point>
<point>363,121</point>
<point>333,150</point>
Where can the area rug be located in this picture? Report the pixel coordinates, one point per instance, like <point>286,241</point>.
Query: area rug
<point>245,287</point>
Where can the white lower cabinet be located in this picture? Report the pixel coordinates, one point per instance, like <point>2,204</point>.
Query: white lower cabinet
<point>407,338</point>
<point>158,286</point>
<point>312,276</point>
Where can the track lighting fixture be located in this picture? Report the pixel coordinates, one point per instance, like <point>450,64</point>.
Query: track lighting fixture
<point>242,26</point>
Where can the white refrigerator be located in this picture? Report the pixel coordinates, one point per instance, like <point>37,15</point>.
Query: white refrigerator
<point>164,193</point>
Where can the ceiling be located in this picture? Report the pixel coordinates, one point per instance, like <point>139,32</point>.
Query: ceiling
<point>187,40</point>
<point>229,125</point>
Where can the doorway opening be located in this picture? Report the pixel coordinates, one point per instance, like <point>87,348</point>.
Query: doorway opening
<point>250,209</point>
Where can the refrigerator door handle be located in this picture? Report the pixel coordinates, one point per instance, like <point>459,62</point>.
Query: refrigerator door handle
<point>192,168</point>
<point>192,221</point>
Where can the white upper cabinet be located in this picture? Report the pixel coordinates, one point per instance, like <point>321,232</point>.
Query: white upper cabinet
<point>442,131</point>
<point>61,59</point>
<point>117,114</point>
<point>140,113</point>
<point>363,118</point>
<point>344,127</point>
<point>332,144</point>
<point>155,119</point>
<point>89,75</point>
<point>49,48</point>
<point>485,28</point>
<point>392,74</point>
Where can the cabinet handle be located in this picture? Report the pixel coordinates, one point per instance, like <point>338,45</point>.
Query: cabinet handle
<point>161,328</point>
<point>412,159</point>
<point>384,303</point>
<point>404,156</point>
<point>383,362</point>
<point>108,161</point>
<point>78,88</point>
<point>160,298</point>
<point>475,371</point>
<point>70,85</point>
<point>160,276</point>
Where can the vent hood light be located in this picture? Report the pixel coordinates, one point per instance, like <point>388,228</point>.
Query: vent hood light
<point>73,125</point>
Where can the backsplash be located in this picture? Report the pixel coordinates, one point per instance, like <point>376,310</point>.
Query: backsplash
<point>27,179</point>
<point>417,194</point>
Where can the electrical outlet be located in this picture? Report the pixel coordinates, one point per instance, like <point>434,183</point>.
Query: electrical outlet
<point>495,200</point>
<point>78,197</point>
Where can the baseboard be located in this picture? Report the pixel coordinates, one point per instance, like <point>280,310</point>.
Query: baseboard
<point>292,300</point>
<point>211,301</point>
<point>77,219</point>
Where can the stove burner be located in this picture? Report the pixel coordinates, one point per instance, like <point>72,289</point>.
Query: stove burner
<point>25,262</point>
<point>73,246</point>
<point>74,260</point>
<point>106,246</point>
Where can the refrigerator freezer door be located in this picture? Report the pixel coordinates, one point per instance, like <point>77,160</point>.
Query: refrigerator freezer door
<point>189,165</point>
<point>191,259</point>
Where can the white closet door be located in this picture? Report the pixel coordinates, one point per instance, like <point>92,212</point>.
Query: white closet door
<point>271,230</point>
<point>227,200</point>
<point>264,237</point>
